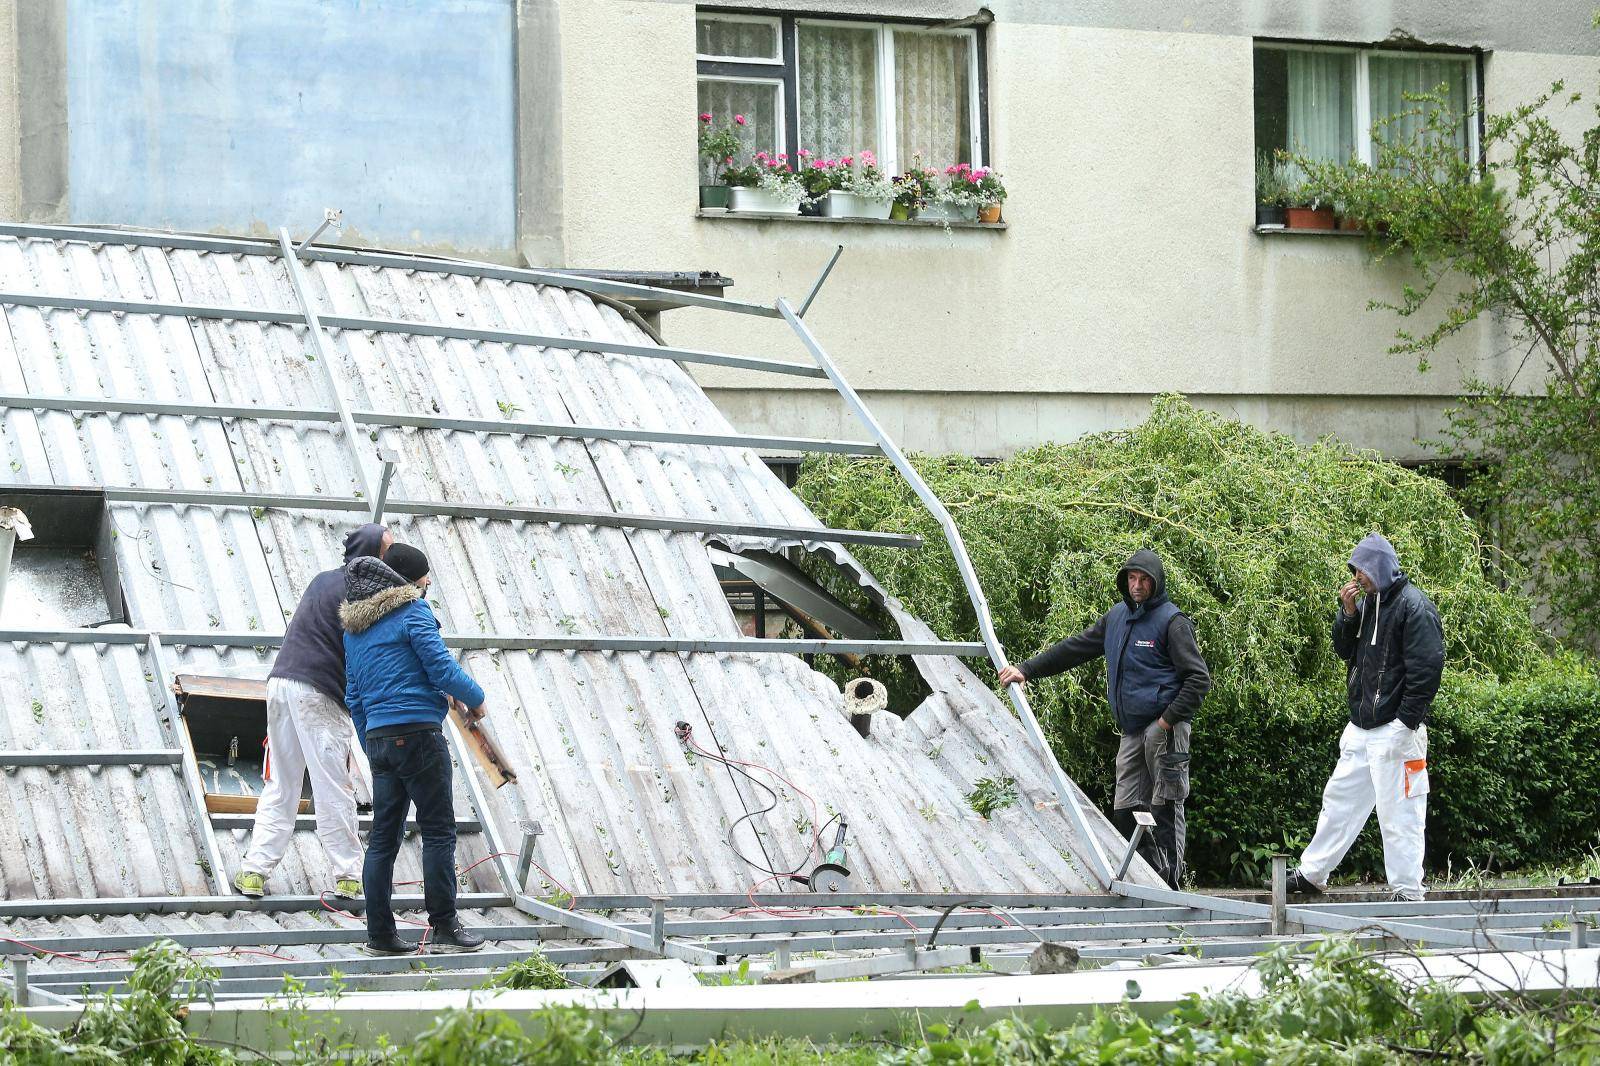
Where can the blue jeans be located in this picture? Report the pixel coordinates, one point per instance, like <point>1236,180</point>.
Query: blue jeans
<point>410,769</point>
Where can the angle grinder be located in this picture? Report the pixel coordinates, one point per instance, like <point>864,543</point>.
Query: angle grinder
<point>832,875</point>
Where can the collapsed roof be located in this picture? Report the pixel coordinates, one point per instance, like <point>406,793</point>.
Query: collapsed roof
<point>204,555</point>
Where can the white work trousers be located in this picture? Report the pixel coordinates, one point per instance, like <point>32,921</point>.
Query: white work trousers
<point>1386,767</point>
<point>308,732</point>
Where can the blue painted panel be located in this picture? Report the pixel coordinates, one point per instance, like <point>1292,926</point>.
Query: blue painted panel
<point>243,114</point>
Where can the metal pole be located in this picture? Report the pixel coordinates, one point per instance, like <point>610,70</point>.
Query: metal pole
<point>205,835</point>
<point>531,832</point>
<point>1100,867</point>
<point>391,459</point>
<point>1133,844</point>
<point>781,956</point>
<point>480,804</point>
<point>1580,930</point>
<point>19,979</point>
<point>1280,895</point>
<point>658,922</point>
<point>324,356</point>
<point>817,285</point>
<point>330,217</point>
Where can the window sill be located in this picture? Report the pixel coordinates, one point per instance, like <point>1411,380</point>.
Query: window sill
<point>1285,231</point>
<point>753,216</point>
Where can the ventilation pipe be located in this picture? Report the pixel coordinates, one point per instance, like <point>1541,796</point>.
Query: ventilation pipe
<point>14,526</point>
<point>863,698</point>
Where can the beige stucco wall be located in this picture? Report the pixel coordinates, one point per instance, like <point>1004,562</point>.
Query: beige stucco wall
<point>1129,265</point>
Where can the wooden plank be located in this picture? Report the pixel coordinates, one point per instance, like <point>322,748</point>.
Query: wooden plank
<point>483,746</point>
<point>222,803</point>
<point>220,688</point>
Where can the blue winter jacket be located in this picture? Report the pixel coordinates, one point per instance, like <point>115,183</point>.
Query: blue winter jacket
<point>397,669</point>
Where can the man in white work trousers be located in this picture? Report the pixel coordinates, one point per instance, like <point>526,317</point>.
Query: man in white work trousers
<point>309,732</point>
<point>1388,631</point>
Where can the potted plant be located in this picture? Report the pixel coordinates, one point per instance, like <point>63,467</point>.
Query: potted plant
<point>956,197</point>
<point>861,189</point>
<point>718,149</point>
<point>768,186</point>
<point>1304,210</point>
<point>1272,190</point>
<point>818,177</point>
<point>991,192</point>
<point>913,190</point>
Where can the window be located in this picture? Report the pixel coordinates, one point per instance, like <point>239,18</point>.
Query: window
<point>1322,102</point>
<point>833,87</point>
<point>63,575</point>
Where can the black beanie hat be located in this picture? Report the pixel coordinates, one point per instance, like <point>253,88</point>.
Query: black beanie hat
<point>406,561</point>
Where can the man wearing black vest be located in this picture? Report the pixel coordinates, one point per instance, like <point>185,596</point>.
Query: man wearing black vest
<point>1155,680</point>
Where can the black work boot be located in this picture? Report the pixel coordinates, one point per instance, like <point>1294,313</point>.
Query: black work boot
<point>389,945</point>
<point>454,937</point>
<point>1298,884</point>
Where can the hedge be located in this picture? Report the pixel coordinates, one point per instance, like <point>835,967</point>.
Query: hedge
<point>1254,530</point>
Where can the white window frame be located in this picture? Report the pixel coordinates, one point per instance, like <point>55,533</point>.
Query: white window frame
<point>782,130</point>
<point>1361,98</point>
<point>883,85</point>
<point>765,20</point>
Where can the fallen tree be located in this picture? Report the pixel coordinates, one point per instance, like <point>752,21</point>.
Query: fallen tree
<point>1255,531</point>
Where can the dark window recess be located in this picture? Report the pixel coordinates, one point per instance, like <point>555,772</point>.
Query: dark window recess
<point>788,470</point>
<point>1272,101</point>
<point>65,576</point>
<point>226,718</point>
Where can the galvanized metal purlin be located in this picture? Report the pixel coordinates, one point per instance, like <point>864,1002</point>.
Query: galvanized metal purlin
<point>602,929</point>
<point>1100,866</point>
<point>353,257</point>
<point>431,509</point>
<point>108,757</point>
<point>189,409</point>
<point>220,638</point>
<point>324,353</point>
<point>480,805</point>
<point>223,902</point>
<point>558,342</point>
<point>193,786</point>
<point>800,900</point>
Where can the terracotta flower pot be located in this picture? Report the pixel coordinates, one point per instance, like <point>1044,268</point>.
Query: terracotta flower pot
<point>1310,217</point>
<point>989,213</point>
<point>1351,224</point>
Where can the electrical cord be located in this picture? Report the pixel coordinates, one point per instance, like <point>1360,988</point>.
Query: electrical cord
<point>988,907</point>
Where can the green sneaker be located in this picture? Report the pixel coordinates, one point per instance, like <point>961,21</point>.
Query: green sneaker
<point>250,884</point>
<point>347,888</point>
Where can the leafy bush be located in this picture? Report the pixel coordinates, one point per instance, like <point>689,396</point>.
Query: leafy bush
<point>1254,531</point>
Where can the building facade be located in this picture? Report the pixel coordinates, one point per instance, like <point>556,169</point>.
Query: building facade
<point>562,133</point>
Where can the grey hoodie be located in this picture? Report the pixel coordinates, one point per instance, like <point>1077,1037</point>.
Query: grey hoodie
<point>313,645</point>
<point>1394,643</point>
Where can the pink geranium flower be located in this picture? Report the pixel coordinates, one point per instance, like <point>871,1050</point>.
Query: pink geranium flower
<point>705,116</point>
<point>738,119</point>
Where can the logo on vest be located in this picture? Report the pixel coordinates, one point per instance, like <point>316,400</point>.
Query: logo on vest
<point>1144,644</point>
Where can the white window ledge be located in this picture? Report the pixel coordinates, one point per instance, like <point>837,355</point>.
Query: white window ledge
<point>755,216</point>
<point>1285,231</point>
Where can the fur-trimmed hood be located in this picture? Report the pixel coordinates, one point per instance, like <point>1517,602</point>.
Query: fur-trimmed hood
<point>372,590</point>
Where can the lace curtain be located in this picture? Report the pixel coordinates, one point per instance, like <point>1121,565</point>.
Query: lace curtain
<point>746,40</point>
<point>1322,88</point>
<point>1392,77</point>
<point>932,97</point>
<point>838,79</point>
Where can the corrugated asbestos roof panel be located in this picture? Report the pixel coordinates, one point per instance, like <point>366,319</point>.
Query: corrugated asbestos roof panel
<point>590,735</point>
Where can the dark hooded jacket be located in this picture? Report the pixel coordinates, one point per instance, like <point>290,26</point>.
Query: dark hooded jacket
<point>1393,644</point>
<point>399,669</point>
<point>1154,668</point>
<point>313,645</point>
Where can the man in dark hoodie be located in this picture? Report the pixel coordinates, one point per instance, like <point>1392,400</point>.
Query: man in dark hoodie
<point>1393,644</point>
<point>1155,681</point>
<point>400,681</point>
<point>309,730</point>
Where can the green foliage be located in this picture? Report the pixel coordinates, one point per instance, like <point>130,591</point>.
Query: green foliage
<point>1255,531</point>
<point>1515,234</point>
<point>536,971</point>
<point>991,794</point>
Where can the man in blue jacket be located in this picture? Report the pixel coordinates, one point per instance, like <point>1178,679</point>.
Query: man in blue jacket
<point>1155,681</point>
<point>1393,645</point>
<point>399,679</point>
<point>309,731</point>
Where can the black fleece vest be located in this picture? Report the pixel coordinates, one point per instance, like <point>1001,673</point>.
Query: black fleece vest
<point>1140,677</point>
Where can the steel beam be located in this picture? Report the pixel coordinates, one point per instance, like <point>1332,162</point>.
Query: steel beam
<point>193,787</point>
<point>447,331</point>
<point>1100,867</point>
<point>218,904</point>
<point>610,519</point>
<point>144,757</point>
<point>1310,918</point>
<point>590,925</point>
<point>188,409</point>
<point>796,900</point>
<point>309,821</point>
<point>352,257</point>
<point>219,638</point>
<point>324,355</point>
<point>480,805</point>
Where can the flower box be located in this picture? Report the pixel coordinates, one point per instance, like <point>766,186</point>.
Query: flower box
<point>841,204</point>
<point>762,201</point>
<point>943,212</point>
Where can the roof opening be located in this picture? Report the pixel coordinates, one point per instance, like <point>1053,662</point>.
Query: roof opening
<point>65,575</point>
<point>226,719</point>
